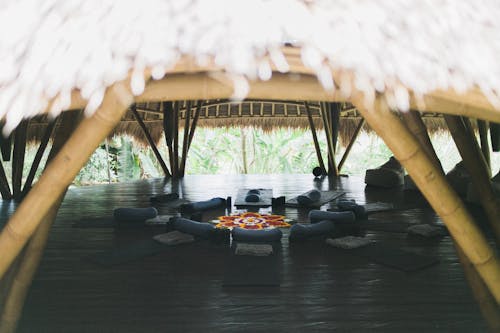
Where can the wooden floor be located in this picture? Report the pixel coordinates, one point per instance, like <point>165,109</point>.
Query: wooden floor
<point>181,290</point>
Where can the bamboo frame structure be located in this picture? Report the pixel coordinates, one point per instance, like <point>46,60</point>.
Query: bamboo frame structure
<point>435,188</point>
<point>315,139</point>
<point>485,145</point>
<point>194,123</point>
<point>6,147</point>
<point>61,171</point>
<point>351,143</point>
<point>151,142</point>
<point>476,165</point>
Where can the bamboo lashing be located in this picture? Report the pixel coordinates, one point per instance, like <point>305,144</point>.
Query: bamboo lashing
<point>61,172</point>
<point>435,188</point>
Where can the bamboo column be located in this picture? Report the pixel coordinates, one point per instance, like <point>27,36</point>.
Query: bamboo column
<point>483,126</point>
<point>475,164</point>
<point>61,171</point>
<point>351,143</point>
<point>150,141</point>
<point>435,188</point>
<point>315,138</point>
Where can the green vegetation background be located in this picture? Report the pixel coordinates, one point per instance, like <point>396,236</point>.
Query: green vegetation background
<point>241,151</point>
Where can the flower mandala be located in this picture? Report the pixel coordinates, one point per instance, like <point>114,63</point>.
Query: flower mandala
<point>252,221</point>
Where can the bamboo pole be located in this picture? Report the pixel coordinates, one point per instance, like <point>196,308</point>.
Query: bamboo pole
<point>327,124</point>
<point>185,139</point>
<point>38,156</point>
<point>413,121</point>
<point>315,138</point>
<point>475,164</point>
<point>351,143</point>
<point>194,123</point>
<point>435,188</point>
<point>19,288</point>
<point>27,263</point>
<point>151,141</point>
<point>4,184</point>
<point>175,172</point>
<point>6,147</point>
<point>61,172</point>
<point>483,137</point>
<point>168,125</point>
<point>18,158</point>
<point>487,304</point>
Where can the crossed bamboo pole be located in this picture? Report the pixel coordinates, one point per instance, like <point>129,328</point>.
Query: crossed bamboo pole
<point>61,172</point>
<point>435,188</point>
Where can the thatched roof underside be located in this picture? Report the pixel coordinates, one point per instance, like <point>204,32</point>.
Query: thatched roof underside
<point>56,51</point>
<point>265,115</point>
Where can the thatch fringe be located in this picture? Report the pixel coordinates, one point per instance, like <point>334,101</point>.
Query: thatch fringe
<point>265,115</point>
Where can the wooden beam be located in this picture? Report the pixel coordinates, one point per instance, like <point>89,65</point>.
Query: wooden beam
<point>435,188</point>
<point>351,143</point>
<point>150,141</point>
<point>38,157</point>
<point>477,168</point>
<point>61,172</point>
<point>18,153</point>
<point>315,138</point>
<point>185,141</point>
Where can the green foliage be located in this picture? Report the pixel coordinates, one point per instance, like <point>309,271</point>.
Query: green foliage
<point>222,151</point>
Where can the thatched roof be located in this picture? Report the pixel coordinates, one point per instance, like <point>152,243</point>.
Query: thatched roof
<point>57,54</point>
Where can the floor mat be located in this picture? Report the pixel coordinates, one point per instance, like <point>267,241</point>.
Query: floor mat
<point>326,196</point>
<point>394,257</point>
<point>134,251</point>
<point>252,271</point>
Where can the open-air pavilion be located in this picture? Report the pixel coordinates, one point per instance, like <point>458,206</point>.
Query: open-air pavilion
<point>391,61</point>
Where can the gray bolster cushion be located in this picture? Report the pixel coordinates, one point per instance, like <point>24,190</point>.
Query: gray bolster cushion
<point>309,197</point>
<point>303,231</point>
<point>134,214</point>
<point>338,217</point>
<point>203,205</point>
<point>198,229</point>
<point>256,236</point>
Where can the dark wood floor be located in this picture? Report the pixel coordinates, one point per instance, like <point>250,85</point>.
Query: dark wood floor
<point>181,289</point>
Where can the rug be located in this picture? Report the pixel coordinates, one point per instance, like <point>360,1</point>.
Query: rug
<point>252,221</point>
